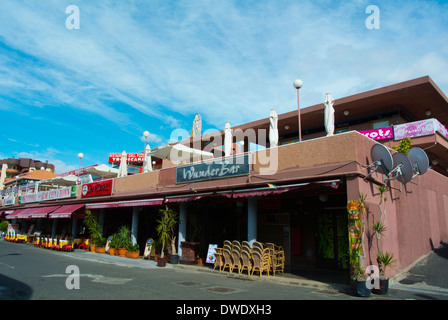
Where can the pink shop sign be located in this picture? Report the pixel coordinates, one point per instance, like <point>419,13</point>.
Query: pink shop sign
<point>414,129</point>
<point>379,134</point>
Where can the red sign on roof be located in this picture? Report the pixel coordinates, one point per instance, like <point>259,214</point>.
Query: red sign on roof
<point>130,157</point>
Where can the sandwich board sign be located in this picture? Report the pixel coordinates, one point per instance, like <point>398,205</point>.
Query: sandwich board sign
<point>148,247</point>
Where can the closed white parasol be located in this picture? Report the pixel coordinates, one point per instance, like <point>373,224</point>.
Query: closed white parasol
<point>329,114</point>
<point>273,129</point>
<point>123,169</point>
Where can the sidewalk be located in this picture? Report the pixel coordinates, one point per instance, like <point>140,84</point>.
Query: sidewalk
<point>287,278</point>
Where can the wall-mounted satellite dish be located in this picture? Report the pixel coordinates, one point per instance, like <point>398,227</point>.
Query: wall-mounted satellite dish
<point>382,159</point>
<point>419,161</point>
<point>402,168</point>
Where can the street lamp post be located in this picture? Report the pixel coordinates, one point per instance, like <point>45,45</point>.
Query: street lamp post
<point>298,84</point>
<point>80,156</point>
<point>146,135</point>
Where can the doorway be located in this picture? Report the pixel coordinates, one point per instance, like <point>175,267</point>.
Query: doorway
<point>332,240</point>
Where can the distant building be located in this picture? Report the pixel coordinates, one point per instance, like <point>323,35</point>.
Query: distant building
<point>11,167</point>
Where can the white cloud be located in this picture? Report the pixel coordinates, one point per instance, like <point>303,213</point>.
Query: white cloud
<point>139,64</point>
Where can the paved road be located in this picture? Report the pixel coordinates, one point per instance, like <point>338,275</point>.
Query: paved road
<point>32,273</point>
<point>428,275</point>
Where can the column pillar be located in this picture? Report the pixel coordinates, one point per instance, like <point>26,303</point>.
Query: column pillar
<point>101,219</point>
<point>251,219</point>
<point>54,228</point>
<point>134,229</point>
<point>182,227</point>
<point>74,227</point>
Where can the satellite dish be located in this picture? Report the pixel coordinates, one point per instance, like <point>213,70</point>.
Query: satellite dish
<point>419,160</point>
<point>402,168</point>
<point>197,125</point>
<point>382,159</point>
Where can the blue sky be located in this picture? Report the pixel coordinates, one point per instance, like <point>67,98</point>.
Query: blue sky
<point>152,65</point>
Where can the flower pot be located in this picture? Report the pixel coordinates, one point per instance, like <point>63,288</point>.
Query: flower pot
<point>384,287</point>
<point>132,255</point>
<point>122,252</point>
<point>174,259</point>
<point>92,248</point>
<point>161,262</point>
<point>100,249</point>
<point>112,251</point>
<point>361,289</point>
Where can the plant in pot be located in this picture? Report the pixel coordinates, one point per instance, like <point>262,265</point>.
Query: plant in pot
<point>385,260</point>
<point>123,240</point>
<point>356,252</point>
<point>359,277</point>
<point>133,251</point>
<point>112,244</point>
<point>100,245</point>
<point>92,224</point>
<point>165,230</point>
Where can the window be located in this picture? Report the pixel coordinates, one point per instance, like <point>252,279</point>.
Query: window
<point>341,130</point>
<point>380,124</point>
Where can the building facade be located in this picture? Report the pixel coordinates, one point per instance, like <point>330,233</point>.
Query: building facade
<point>295,195</point>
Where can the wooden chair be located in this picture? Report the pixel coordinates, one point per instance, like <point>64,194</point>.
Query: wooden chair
<point>246,244</point>
<point>257,244</point>
<point>236,262</point>
<point>55,243</point>
<point>218,258</point>
<point>227,263</point>
<point>257,249</point>
<point>260,263</point>
<point>228,247</point>
<point>69,246</point>
<point>246,261</point>
<point>277,258</point>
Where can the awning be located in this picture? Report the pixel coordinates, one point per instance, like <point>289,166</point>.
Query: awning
<point>141,203</point>
<point>31,213</point>
<point>130,203</point>
<point>186,198</point>
<point>12,214</point>
<point>274,189</point>
<point>66,211</point>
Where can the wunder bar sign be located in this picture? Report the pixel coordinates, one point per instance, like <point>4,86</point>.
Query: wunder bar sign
<point>217,169</point>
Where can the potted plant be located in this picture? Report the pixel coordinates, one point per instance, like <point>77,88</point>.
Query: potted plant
<point>133,251</point>
<point>123,240</point>
<point>165,230</point>
<point>358,276</point>
<point>112,244</point>
<point>100,245</point>
<point>385,260</point>
<point>92,224</point>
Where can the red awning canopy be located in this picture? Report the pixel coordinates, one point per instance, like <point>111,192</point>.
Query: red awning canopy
<point>66,211</point>
<point>273,189</point>
<point>130,203</point>
<point>31,213</point>
<point>13,213</point>
<point>186,198</point>
<point>141,203</point>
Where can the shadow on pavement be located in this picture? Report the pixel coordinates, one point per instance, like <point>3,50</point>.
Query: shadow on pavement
<point>442,251</point>
<point>11,289</point>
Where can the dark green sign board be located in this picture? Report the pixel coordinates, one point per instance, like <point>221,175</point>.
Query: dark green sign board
<point>216,169</point>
